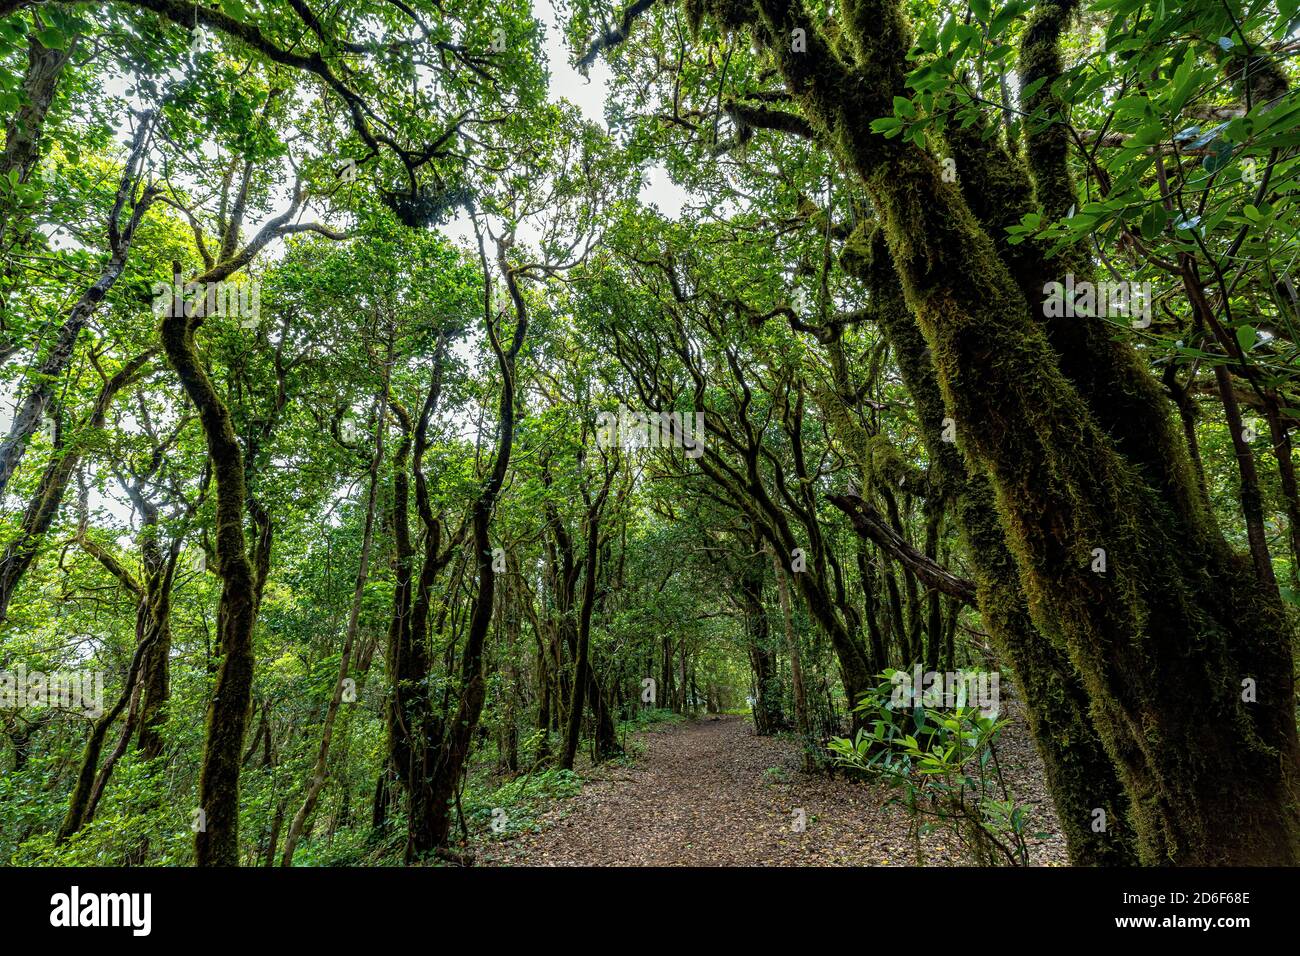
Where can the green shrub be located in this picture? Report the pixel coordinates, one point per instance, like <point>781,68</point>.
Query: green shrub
<point>943,766</point>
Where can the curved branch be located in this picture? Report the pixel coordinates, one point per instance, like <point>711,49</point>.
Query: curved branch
<point>613,36</point>
<point>870,525</point>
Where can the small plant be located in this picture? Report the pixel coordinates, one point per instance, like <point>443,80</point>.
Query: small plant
<point>775,775</point>
<point>648,717</point>
<point>944,767</point>
<point>515,806</point>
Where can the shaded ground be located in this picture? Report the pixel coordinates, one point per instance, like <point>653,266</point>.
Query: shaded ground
<point>711,793</point>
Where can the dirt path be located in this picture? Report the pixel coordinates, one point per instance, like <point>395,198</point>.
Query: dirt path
<point>711,793</point>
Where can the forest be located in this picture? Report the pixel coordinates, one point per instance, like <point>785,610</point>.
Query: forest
<point>715,432</point>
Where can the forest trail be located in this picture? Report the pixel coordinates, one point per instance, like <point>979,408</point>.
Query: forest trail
<point>712,793</point>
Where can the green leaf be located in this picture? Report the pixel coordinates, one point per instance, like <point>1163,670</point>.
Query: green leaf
<point>53,38</point>
<point>888,125</point>
<point>1032,88</point>
<point>1153,222</point>
<point>1204,139</point>
<point>1185,78</point>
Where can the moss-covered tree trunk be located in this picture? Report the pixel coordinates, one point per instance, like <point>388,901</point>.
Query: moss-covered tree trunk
<point>216,838</point>
<point>80,804</point>
<point>1080,775</point>
<point>42,385</point>
<point>767,711</point>
<point>802,723</point>
<point>43,507</point>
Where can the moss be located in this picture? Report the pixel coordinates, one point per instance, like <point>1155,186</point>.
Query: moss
<point>694,12</point>
<point>1256,78</point>
<point>1112,379</point>
<point>1048,137</point>
<point>999,192</point>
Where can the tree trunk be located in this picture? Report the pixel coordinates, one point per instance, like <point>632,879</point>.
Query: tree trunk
<point>216,841</point>
<point>796,664</point>
<point>23,131</point>
<point>768,718</point>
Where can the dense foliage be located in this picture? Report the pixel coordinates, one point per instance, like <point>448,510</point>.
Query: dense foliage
<point>392,450</point>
